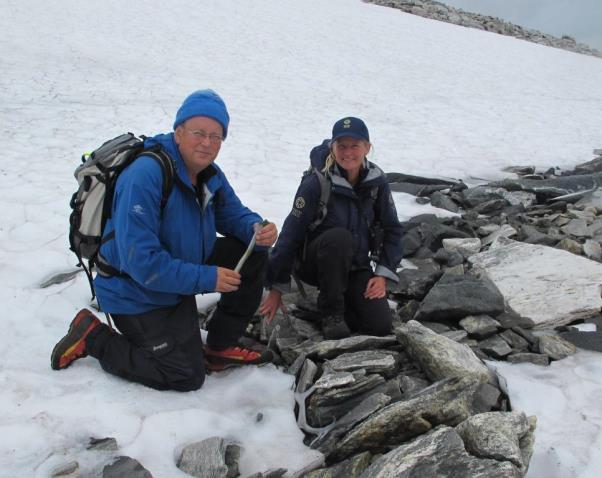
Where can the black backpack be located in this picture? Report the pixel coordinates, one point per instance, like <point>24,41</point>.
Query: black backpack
<point>92,203</point>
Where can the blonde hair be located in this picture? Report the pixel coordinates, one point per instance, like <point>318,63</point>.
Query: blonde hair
<point>330,160</point>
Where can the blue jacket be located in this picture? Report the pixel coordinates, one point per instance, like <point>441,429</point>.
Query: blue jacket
<point>164,251</point>
<point>354,208</point>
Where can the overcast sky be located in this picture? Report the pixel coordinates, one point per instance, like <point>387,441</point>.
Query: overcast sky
<point>581,19</point>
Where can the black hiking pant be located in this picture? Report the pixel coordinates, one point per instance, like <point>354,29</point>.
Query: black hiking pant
<point>328,266</point>
<point>162,348</point>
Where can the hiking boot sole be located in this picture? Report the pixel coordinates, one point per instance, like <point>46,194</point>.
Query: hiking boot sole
<point>211,367</point>
<point>217,361</point>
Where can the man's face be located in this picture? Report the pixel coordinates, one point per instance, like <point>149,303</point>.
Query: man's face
<point>199,140</point>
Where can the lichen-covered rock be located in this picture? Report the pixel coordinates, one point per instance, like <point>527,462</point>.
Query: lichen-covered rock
<point>210,458</point>
<point>350,468</point>
<point>328,442</point>
<point>447,402</point>
<point>464,246</point>
<point>438,356</point>
<point>555,347</point>
<point>436,454</point>
<point>502,436</point>
<point>480,326</point>
<point>537,359</point>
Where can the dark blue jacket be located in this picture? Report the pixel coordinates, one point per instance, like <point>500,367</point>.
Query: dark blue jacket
<point>354,208</point>
<point>164,252</point>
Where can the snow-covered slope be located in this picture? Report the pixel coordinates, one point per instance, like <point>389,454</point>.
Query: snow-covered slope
<point>438,99</point>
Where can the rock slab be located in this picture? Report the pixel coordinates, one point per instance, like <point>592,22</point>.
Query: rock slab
<point>550,286</point>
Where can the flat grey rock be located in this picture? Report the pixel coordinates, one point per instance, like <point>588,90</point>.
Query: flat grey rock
<point>125,467</point>
<point>372,361</point>
<point>59,278</point>
<point>64,469</point>
<point>552,187</point>
<point>550,286</point>
<point>454,297</point>
<point>331,348</point>
<point>480,326</point>
<point>525,357</point>
<point>515,341</point>
<point>495,347</point>
<point>584,340</point>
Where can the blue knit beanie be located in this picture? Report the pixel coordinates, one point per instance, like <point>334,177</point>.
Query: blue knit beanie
<point>204,103</point>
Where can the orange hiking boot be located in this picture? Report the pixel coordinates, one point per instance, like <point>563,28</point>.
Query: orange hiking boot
<point>73,345</point>
<point>216,360</point>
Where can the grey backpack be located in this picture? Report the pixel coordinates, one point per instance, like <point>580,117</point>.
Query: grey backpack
<point>92,203</point>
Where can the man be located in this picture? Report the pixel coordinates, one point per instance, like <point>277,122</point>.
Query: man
<point>165,254</point>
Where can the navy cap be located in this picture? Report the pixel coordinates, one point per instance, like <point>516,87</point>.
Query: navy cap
<point>351,127</point>
<point>204,103</point>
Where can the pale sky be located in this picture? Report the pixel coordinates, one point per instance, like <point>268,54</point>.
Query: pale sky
<point>581,19</point>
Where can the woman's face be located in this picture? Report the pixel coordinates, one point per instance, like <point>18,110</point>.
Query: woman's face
<point>349,153</point>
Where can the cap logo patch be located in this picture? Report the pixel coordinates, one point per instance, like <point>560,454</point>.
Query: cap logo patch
<point>347,123</point>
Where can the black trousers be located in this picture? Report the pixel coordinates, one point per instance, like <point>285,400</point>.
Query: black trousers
<point>328,265</point>
<point>162,348</point>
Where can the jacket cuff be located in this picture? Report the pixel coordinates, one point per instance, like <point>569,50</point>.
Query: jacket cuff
<point>208,279</point>
<point>386,273</point>
<point>283,287</point>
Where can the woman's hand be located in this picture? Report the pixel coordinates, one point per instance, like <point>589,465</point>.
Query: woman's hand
<point>376,288</point>
<point>267,235</point>
<point>271,304</point>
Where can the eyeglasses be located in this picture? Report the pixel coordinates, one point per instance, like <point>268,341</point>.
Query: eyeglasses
<point>201,135</point>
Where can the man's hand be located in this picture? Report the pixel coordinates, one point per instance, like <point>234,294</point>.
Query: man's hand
<point>376,288</point>
<point>271,304</point>
<point>267,235</point>
<point>227,280</point>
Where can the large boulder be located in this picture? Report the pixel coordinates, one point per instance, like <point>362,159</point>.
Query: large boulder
<point>550,286</point>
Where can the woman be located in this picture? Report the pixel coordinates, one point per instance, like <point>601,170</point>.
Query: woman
<point>335,255</point>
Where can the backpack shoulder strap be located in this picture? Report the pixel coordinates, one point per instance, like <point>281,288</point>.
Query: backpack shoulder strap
<point>168,169</point>
<point>325,188</point>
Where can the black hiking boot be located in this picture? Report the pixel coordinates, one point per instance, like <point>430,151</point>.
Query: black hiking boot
<point>334,327</point>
